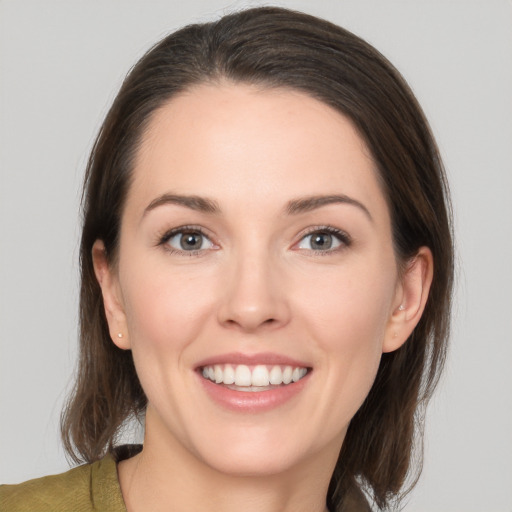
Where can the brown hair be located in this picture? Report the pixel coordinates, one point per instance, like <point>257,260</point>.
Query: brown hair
<point>276,47</point>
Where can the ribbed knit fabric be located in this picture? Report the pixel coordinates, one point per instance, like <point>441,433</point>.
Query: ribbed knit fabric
<point>88,488</point>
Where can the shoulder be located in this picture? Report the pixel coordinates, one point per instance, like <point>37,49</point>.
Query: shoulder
<point>82,489</point>
<point>67,491</point>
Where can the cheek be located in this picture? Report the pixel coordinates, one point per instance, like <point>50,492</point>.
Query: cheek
<point>348,309</point>
<point>350,339</point>
<point>346,317</point>
<point>166,313</point>
<point>165,309</point>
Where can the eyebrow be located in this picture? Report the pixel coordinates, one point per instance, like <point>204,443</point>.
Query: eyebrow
<point>197,203</point>
<point>294,207</point>
<point>307,204</point>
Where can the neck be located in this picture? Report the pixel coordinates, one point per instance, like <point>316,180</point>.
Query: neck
<point>166,474</point>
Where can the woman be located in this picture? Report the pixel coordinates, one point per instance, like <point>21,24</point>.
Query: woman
<point>266,277</point>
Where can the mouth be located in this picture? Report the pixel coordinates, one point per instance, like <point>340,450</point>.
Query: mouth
<point>253,378</point>
<point>253,383</point>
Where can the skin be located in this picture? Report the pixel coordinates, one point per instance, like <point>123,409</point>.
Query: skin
<point>255,285</point>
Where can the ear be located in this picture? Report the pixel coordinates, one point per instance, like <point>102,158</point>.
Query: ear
<point>410,300</point>
<point>112,297</point>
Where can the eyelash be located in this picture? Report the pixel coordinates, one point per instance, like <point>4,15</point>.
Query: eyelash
<point>343,237</point>
<point>163,239</point>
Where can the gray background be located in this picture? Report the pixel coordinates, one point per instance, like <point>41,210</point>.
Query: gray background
<point>61,63</point>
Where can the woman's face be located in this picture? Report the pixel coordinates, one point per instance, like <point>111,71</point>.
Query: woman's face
<point>256,284</point>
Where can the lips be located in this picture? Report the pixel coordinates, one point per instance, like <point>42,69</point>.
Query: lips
<point>252,383</point>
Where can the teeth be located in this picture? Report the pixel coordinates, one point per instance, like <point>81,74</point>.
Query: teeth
<point>242,375</point>
<point>260,376</point>
<point>275,376</point>
<point>229,375</point>
<point>287,375</point>
<point>218,373</point>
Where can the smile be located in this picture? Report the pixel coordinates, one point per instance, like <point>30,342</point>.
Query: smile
<point>259,377</point>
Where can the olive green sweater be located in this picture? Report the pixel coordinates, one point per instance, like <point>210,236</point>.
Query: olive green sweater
<point>88,488</point>
<point>94,488</point>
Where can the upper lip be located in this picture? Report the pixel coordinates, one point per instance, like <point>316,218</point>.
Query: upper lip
<point>268,358</point>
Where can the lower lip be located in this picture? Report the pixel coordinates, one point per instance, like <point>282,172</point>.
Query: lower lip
<point>253,401</point>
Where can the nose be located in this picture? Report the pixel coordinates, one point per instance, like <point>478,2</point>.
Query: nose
<point>255,295</point>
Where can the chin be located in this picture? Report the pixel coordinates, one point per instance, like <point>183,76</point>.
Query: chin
<point>267,450</point>
<point>249,464</point>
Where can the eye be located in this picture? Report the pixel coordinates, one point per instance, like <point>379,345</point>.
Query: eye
<point>324,240</point>
<point>187,240</point>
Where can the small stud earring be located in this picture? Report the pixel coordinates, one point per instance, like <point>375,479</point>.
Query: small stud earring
<point>401,307</point>
<point>119,334</point>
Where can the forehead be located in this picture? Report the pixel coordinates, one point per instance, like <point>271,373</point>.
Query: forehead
<point>242,142</point>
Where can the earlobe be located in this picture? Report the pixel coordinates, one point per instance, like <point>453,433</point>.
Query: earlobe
<point>112,300</point>
<point>411,300</point>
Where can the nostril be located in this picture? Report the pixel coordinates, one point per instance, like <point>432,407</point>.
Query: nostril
<point>251,323</point>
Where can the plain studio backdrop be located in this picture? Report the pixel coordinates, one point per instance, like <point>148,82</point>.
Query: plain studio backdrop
<point>61,64</point>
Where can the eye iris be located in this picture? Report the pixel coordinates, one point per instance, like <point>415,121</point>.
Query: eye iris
<point>321,241</point>
<point>191,241</point>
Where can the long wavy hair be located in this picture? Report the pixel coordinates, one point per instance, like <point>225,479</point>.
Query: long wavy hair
<point>275,47</point>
